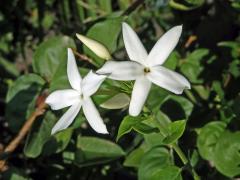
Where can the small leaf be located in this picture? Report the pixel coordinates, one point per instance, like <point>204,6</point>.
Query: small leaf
<point>208,138</point>
<point>93,150</point>
<point>226,156</point>
<point>50,54</point>
<point>192,66</point>
<point>130,122</point>
<point>134,158</point>
<point>192,4</point>
<point>152,162</point>
<point>168,173</point>
<point>175,131</point>
<point>118,101</point>
<point>21,98</point>
<point>39,135</point>
<point>107,33</point>
<point>9,67</point>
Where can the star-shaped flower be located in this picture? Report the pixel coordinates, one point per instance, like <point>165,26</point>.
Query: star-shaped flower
<point>146,68</point>
<point>77,97</point>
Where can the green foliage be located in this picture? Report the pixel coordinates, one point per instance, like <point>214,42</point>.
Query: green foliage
<point>204,120</point>
<point>21,98</point>
<point>134,123</point>
<point>175,131</point>
<point>107,36</point>
<point>50,54</point>
<point>226,154</point>
<point>156,163</point>
<point>208,138</point>
<point>93,150</point>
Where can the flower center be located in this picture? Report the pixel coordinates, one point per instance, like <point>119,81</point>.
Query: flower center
<point>81,96</point>
<point>146,70</point>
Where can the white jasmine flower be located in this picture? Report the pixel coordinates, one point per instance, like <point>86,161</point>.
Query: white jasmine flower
<point>77,97</point>
<point>146,68</point>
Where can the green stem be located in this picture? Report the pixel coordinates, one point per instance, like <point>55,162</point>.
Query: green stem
<point>180,153</point>
<point>184,160</point>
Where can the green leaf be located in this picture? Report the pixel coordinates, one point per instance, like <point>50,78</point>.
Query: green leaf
<point>153,102</point>
<point>129,123</point>
<point>154,139</point>
<point>192,67</point>
<point>233,45</point>
<point>191,4</point>
<point>168,173</point>
<point>226,155</point>
<point>21,98</point>
<point>175,131</point>
<point>143,128</point>
<point>58,142</point>
<point>172,60</point>
<point>177,107</point>
<point>50,54</point>
<point>15,174</point>
<point>208,137</point>
<point>106,32</point>
<point>118,101</point>
<point>9,67</point>
<point>39,135</point>
<point>93,150</point>
<point>134,158</point>
<point>152,162</point>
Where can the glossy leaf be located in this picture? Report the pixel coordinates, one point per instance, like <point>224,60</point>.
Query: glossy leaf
<point>93,150</point>
<point>107,33</point>
<point>129,123</point>
<point>50,54</point>
<point>118,101</point>
<point>208,138</point>
<point>21,98</point>
<point>226,156</point>
<point>175,131</point>
<point>153,161</point>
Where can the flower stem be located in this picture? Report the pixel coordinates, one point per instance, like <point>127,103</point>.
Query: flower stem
<point>184,160</point>
<point>180,153</point>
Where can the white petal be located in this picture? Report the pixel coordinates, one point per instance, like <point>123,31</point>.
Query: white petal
<point>133,45</point>
<point>98,48</point>
<point>122,70</point>
<point>168,79</point>
<point>164,46</point>
<point>72,71</point>
<point>62,98</point>
<point>67,118</point>
<point>91,82</point>
<point>93,116</point>
<point>140,92</point>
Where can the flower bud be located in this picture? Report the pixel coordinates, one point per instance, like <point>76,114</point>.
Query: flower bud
<point>98,48</point>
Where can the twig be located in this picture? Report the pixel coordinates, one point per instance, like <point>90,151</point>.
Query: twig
<point>82,56</point>
<point>24,130</point>
<point>132,7</point>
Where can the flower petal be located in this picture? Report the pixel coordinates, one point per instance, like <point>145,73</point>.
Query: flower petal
<point>122,70</point>
<point>91,82</point>
<point>133,45</point>
<point>67,118</point>
<point>72,71</point>
<point>93,117</point>
<point>140,92</point>
<point>168,79</point>
<point>98,48</point>
<point>62,98</point>
<point>164,46</point>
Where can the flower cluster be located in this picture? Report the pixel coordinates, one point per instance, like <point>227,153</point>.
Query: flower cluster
<point>144,68</point>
